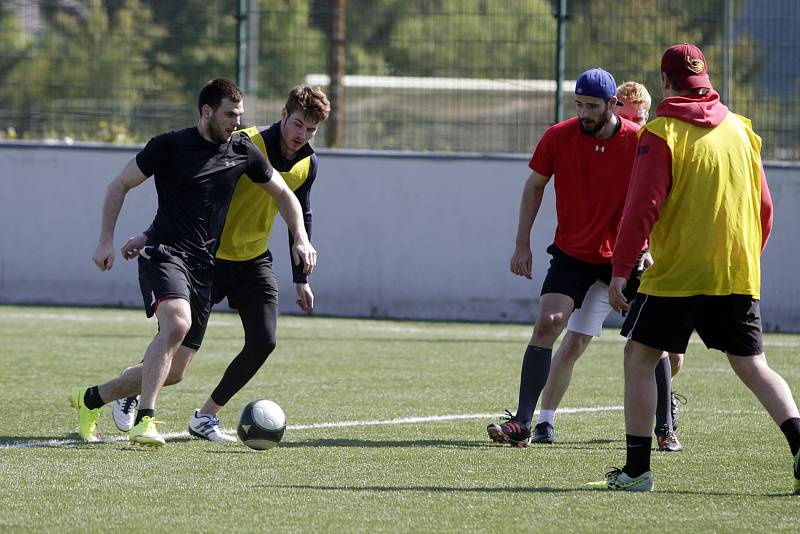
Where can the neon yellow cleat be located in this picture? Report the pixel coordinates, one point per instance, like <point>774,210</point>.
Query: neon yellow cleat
<point>617,480</point>
<point>146,433</point>
<point>88,418</point>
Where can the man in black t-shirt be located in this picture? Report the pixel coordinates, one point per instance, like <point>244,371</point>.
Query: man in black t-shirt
<point>195,170</point>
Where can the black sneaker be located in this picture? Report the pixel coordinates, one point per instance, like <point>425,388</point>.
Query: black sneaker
<point>676,416</point>
<point>668,442</point>
<point>511,432</point>
<point>543,433</point>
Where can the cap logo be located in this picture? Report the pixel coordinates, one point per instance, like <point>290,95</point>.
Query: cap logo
<point>695,65</point>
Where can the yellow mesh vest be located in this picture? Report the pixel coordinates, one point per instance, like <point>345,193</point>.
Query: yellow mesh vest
<point>707,240</point>
<point>248,224</point>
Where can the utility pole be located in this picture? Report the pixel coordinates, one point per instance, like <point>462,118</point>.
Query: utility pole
<point>247,47</point>
<point>336,69</point>
<point>561,37</point>
<point>727,54</point>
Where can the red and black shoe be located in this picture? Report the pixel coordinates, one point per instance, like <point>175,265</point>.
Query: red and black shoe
<point>668,442</point>
<point>511,432</point>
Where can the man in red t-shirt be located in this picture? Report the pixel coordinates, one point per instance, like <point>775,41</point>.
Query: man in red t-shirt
<point>586,323</point>
<point>590,158</point>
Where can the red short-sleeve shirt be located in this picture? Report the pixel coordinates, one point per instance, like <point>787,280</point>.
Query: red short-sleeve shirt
<point>591,180</point>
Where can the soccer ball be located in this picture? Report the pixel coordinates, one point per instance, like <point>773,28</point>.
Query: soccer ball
<point>261,425</point>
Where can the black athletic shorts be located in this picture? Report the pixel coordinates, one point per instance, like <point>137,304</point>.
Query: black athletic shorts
<point>730,323</point>
<point>164,273</point>
<point>245,281</point>
<point>572,277</point>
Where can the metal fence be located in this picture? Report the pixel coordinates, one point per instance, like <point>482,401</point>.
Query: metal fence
<point>444,75</point>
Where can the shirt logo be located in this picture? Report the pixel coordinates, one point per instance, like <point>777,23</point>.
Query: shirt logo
<point>598,148</point>
<point>229,163</point>
<point>643,150</point>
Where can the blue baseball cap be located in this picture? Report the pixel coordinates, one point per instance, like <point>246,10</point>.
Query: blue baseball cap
<point>596,82</point>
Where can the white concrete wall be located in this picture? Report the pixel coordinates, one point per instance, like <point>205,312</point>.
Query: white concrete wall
<point>399,235</point>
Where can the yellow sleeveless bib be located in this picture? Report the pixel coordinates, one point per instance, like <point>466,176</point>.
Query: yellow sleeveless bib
<point>251,215</point>
<point>707,240</point>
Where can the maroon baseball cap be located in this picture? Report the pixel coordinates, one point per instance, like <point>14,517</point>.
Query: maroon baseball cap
<point>686,65</point>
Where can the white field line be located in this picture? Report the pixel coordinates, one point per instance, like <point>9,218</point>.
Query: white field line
<point>337,424</point>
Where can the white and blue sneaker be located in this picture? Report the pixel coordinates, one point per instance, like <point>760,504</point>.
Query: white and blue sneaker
<point>207,427</point>
<point>124,412</point>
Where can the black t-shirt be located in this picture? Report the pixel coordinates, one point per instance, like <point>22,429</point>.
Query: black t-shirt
<point>195,180</point>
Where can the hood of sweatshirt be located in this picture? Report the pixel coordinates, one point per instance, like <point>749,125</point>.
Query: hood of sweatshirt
<point>700,110</point>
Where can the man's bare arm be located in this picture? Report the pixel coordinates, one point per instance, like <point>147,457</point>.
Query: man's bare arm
<point>130,176</point>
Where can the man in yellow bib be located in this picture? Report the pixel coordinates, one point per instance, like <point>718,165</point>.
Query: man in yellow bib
<point>243,267</point>
<point>699,191</point>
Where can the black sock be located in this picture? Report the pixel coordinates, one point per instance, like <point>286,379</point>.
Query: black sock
<point>664,404</point>
<point>143,412</point>
<point>791,429</point>
<point>91,399</point>
<point>638,455</point>
<point>535,368</point>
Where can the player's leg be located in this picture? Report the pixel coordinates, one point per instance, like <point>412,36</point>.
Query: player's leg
<point>733,325</point>
<point>665,430</point>
<point>259,322</point>
<point>654,325</point>
<point>572,346</point>
<point>584,323</point>
<point>775,395</point>
<point>252,289</point>
<point>174,320</point>
<point>676,364</point>
<point>162,276</point>
<point>554,310</point>
<point>565,286</point>
<point>127,386</point>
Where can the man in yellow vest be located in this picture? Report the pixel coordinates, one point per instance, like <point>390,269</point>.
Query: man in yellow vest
<point>243,268</point>
<point>699,191</point>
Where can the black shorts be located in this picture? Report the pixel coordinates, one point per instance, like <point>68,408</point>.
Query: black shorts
<point>730,323</point>
<point>572,277</point>
<point>164,273</point>
<point>245,281</point>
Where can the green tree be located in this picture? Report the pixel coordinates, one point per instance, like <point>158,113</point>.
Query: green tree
<point>15,45</point>
<point>290,46</point>
<point>88,69</point>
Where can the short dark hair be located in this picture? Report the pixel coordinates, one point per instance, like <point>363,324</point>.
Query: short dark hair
<point>215,90</point>
<point>311,101</point>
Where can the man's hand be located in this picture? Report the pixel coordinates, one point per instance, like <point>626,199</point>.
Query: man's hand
<point>303,251</point>
<point>522,262</point>
<point>615,296</point>
<point>104,256</point>
<point>305,298</point>
<point>132,246</point>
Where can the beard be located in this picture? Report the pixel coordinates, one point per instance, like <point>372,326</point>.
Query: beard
<point>597,125</point>
<point>217,133</point>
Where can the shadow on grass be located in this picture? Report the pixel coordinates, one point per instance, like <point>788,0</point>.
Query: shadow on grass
<point>400,339</point>
<point>70,441</point>
<point>329,443</point>
<point>511,489</point>
<point>372,443</point>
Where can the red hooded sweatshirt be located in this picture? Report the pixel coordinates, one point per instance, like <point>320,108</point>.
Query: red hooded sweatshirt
<point>651,180</point>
